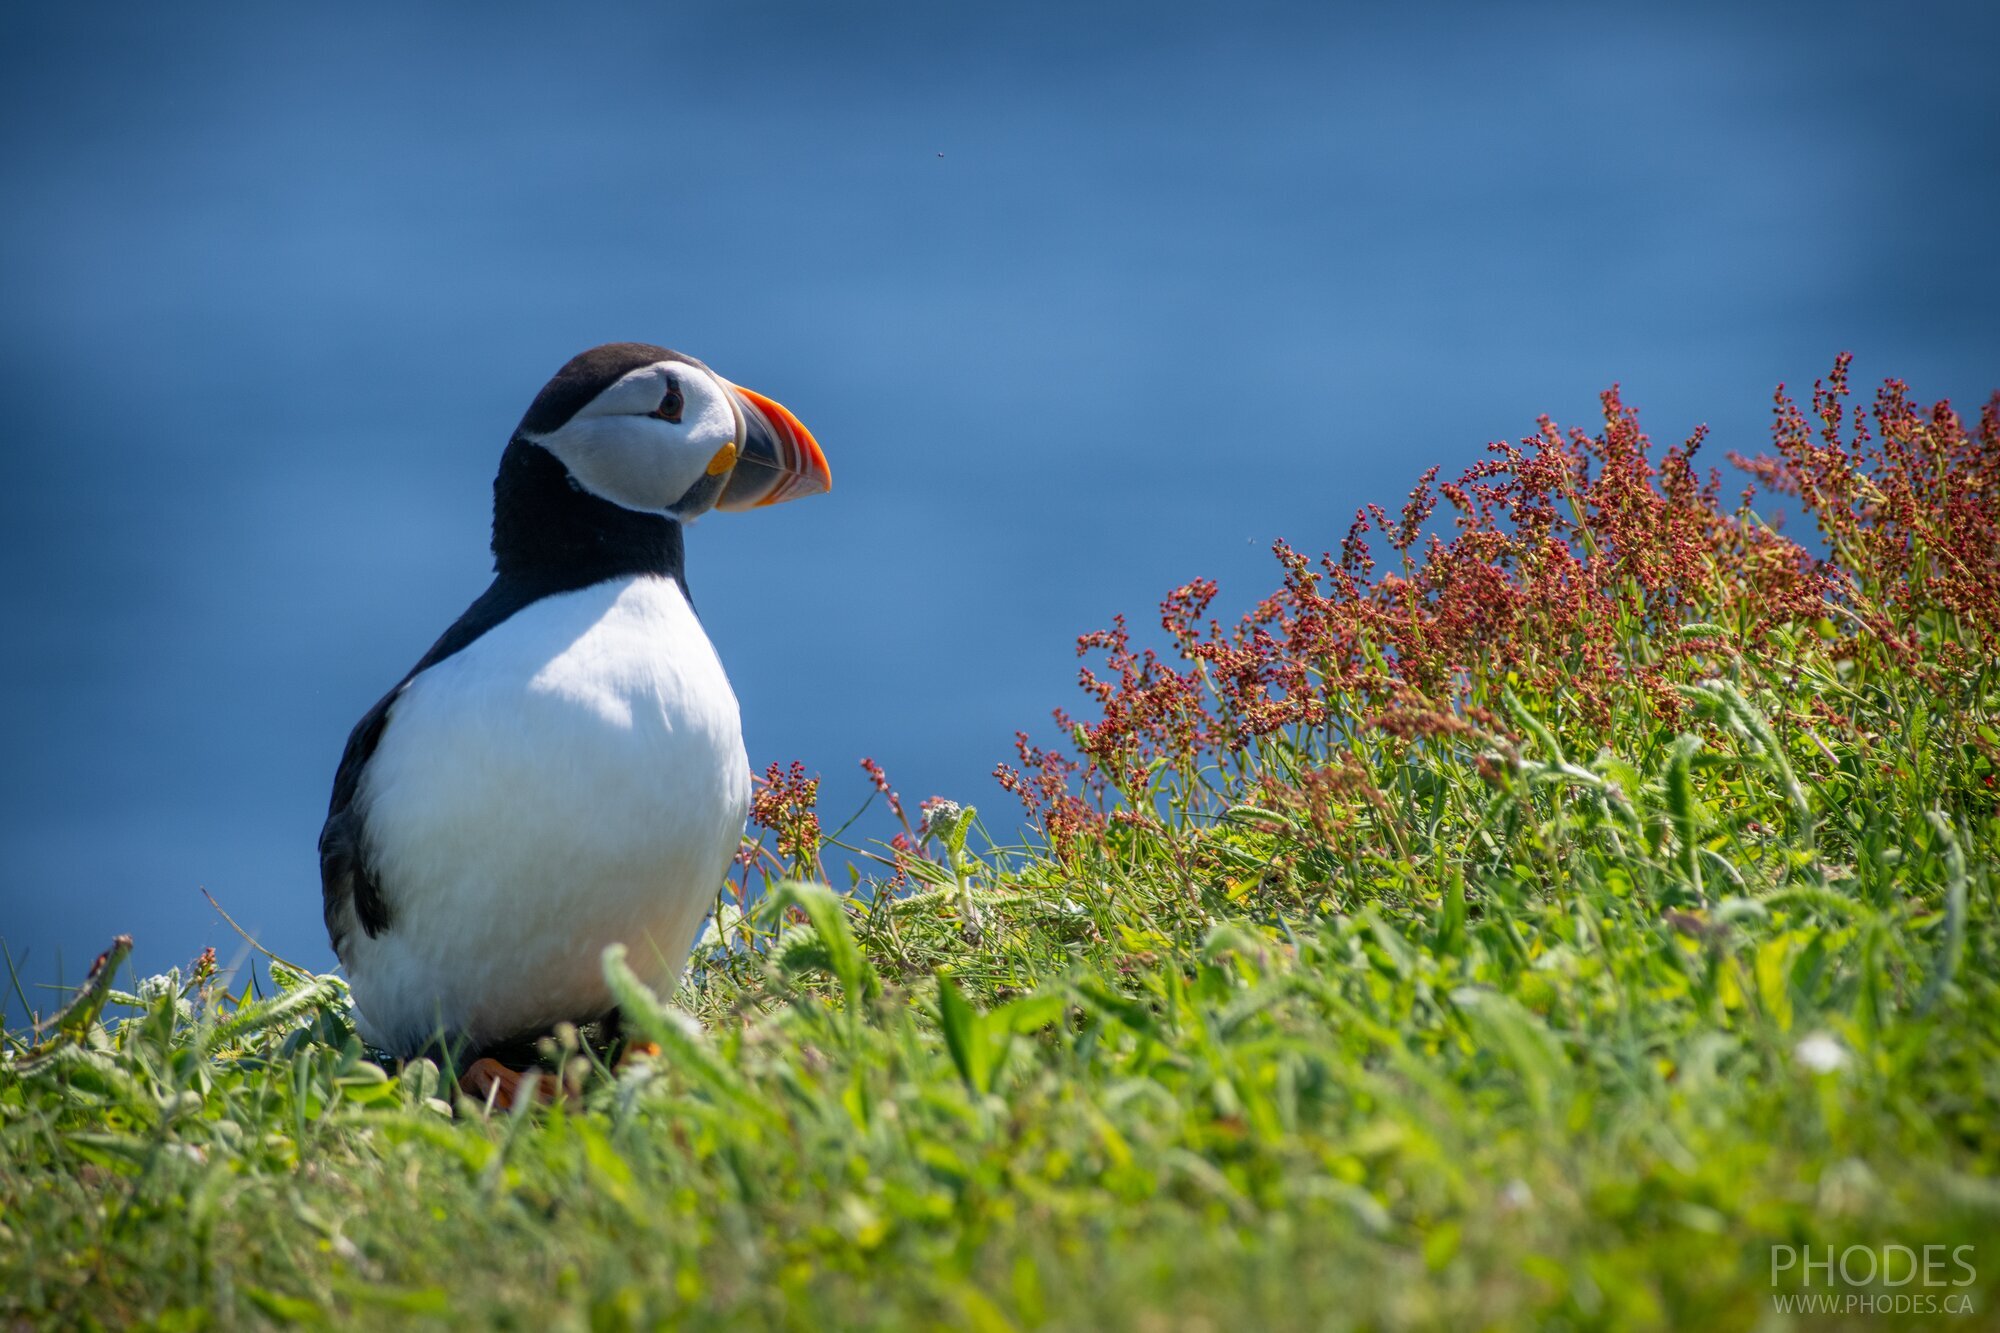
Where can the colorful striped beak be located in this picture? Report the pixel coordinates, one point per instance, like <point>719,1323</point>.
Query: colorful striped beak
<point>779,459</point>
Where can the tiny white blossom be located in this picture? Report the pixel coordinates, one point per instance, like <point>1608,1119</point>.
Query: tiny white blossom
<point>1821,1053</point>
<point>162,983</point>
<point>939,818</point>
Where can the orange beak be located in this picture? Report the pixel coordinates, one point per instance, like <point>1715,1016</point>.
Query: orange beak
<point>779,459</point>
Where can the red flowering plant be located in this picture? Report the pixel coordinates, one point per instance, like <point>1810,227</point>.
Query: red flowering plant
<point>787,803</point>
<point>756,912</point>
<point>1580,595</point>
<point>1908,504</point>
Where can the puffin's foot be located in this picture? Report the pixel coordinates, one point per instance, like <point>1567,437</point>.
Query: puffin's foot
<point>620,1048</point>
<point>633,1049</point>
<point>488,1081</point>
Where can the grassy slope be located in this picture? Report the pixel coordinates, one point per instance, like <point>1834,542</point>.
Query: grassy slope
<point>1498,1009</point>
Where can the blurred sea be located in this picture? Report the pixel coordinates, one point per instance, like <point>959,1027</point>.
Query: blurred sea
<point>1082,301</point>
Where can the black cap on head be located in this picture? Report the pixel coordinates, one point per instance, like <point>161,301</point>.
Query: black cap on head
<point>585,376</point>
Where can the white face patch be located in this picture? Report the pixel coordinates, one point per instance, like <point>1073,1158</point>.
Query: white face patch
<point>617,450</point>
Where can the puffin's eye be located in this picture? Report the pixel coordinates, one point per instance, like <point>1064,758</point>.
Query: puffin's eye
<point>671,405</point>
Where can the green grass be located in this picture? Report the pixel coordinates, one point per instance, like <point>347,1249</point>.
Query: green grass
<point>1549,1016</point>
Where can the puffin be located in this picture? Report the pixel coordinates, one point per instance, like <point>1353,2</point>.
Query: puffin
<point>564,769</point>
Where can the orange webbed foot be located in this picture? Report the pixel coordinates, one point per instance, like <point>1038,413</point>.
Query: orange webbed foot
<point>487,1080</point>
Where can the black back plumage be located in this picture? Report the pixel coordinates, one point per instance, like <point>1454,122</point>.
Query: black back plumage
<point>549,537</point>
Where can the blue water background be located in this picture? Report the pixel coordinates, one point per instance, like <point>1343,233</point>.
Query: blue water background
<point>1081,300</point>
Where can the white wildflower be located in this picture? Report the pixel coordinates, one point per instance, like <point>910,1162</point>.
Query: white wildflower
<point>940,818</point>
<point>162,983</point>
<point>1822,1053</point>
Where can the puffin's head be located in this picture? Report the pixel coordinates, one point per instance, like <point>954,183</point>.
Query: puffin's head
<point>657,432</point>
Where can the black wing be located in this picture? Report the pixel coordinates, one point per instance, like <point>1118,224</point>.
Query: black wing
<point>350,894</point>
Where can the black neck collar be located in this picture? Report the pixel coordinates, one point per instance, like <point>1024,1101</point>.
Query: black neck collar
<point>549,532</point>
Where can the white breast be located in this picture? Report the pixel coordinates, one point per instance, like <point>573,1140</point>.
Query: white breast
<point>573,778</point>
